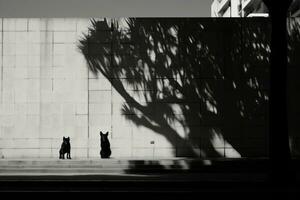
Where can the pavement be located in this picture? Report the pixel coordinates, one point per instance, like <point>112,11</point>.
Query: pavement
<point>136,174</point>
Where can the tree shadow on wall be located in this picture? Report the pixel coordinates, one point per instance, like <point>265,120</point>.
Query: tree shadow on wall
<point>293,85</point>
<point>206,79</point>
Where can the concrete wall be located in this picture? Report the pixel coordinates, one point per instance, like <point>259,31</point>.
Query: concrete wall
<point>47,92</point>
<point>43,87</point>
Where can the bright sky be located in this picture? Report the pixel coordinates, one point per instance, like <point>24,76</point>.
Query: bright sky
<point>204,10</point>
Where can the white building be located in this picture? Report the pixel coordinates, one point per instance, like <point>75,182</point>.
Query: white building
<point>238,8</point>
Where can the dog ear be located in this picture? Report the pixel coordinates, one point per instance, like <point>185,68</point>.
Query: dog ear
<point>101,133</point>
<point>64,137</point>
<point>107,133</point>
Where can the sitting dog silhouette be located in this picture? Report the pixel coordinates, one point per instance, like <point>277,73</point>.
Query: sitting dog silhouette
<point>105,145</point>
<point>65,148</point>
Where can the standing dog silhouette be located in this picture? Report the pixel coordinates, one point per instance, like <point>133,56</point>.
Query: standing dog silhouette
<point>105,145</point>
<point>65,148</point>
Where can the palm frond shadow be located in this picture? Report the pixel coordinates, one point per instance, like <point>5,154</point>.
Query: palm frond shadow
<point>204,78</point>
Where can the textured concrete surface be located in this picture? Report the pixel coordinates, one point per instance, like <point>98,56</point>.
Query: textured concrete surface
<point>47,92</point>
<point>129,166</point>
<point>155,176</point>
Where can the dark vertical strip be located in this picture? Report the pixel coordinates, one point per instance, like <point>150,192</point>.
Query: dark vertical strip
<point>279,138</point>
<point>27,25</point>
<point>242,64</point>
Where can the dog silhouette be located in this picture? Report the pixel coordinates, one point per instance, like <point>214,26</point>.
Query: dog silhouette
<point>105,145</point>
<point>65,148</point>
